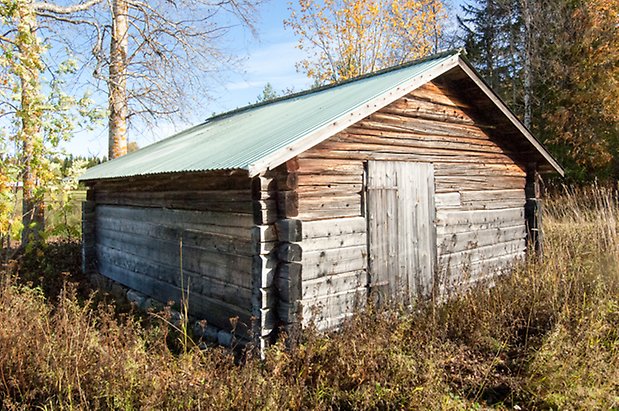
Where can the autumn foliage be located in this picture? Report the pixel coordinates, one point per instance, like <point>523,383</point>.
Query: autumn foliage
<point>347,38</point>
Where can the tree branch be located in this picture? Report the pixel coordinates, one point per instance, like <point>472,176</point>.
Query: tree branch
<point>53,8</point>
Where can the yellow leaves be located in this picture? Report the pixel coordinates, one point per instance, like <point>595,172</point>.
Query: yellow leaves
<point>346,38</point>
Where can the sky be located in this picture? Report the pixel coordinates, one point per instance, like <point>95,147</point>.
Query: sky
<point>269,58</point>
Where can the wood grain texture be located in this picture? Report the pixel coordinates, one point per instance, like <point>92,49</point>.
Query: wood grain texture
<point>479,200</point>
<point>402,239</point>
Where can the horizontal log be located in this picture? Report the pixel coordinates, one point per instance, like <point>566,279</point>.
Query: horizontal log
<point>327,214</point>
<point>330,310</point>
<point>349,201</point>
<point>444,230</point>
<point>458,276</point>
<point>194,282</point>
<point>215,312</point>
<point>329,262</point>
<point>334,241</point>
<point>418,143</point>
<point>212,180</point>
<point>412,106</point>
<point>332,190</point>
<point>387,121</point>
<point>489,195</point>
<point>334,284</point>
<point>483,253</point>
<point>479,169</point>
<point>376,147</point>
<point>222,196</point>
<point>328,179</point>
<point>334,227</point>
<point>215,242</point>
<point>194,258</point>
<point>200,219</point>
<point>426,111</point>
<point>447,200</point>
<point>467,218</point>
<point>378,153</point>
<point>331,167</point>
<point>477,183</point>
<point>244,207</point>
<point>439,95</point>
<point>450,243</point>
<point>493,204</point>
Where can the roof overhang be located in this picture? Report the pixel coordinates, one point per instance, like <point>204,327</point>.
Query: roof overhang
<point>455,62</point>
<point>316,137</point>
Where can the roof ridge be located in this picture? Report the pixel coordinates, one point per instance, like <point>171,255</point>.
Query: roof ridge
<point>456,51</point>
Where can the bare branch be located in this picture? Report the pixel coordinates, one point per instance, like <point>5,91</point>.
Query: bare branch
<point>54,8</point>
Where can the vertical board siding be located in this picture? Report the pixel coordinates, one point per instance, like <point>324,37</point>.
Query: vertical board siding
<point>401,229</point>
<point>479,188</point>
<point>139,231</point>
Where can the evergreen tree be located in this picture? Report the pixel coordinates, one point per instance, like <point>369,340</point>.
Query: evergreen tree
<point>556,64</point>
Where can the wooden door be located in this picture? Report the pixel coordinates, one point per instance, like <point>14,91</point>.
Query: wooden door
<point>401,230</point>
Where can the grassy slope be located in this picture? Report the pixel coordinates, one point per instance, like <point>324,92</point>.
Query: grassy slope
<point>545,337</point>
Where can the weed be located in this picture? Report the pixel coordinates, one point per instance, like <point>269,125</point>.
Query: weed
<point>545,336</point>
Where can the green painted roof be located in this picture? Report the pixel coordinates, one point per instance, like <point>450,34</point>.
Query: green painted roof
<point>239,139</point>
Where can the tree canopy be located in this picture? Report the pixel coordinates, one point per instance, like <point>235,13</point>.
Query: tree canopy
<point>556,63</point>
<point>347,38</point>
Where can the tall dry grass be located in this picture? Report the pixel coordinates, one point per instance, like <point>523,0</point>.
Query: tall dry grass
<point>544,337</point>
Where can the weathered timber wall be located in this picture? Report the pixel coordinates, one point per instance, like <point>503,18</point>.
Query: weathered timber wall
<point>213,220</point>
<point>274,200</point>
<point>479,197</point>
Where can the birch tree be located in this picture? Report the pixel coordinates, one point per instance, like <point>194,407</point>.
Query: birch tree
<point>38,119</point>
<point>347,38</point>
<point>152,56</point>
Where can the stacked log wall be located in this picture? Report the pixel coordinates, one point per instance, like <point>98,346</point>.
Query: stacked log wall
<point>479,197</point>
<point>202,233</point>
<point>273,191</point>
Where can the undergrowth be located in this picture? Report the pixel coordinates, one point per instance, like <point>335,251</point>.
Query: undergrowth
<point>544,337</point>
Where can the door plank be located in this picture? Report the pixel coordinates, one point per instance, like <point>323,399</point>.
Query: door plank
<point>402,235</point>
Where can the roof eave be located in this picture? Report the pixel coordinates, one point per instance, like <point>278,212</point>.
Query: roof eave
<point>348,119</point>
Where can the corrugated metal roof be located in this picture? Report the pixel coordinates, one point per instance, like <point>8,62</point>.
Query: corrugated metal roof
<point>238,139</point>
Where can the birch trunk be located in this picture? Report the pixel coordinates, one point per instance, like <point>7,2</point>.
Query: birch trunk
<point>117,83</point>
<point>29,69</point>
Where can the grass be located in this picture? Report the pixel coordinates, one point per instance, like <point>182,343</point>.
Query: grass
<point>545,337</point>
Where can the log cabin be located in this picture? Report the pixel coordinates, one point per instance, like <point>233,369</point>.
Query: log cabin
<point>400,184</point>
